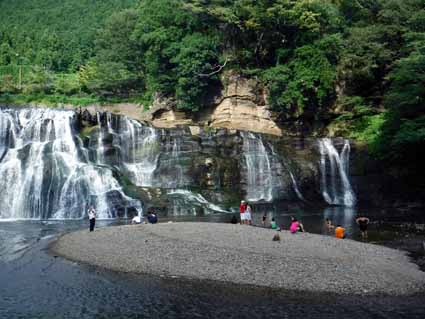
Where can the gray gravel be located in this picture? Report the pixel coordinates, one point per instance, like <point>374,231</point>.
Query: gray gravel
<point>246,255</point>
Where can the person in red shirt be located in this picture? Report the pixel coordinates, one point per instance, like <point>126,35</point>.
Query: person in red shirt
<point>242,209</point>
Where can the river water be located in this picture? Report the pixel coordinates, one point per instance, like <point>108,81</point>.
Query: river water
<point>37,284</point>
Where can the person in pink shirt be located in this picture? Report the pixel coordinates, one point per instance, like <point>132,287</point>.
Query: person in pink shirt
<point>296,226</point>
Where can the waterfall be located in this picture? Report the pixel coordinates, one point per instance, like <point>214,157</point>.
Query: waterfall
<point>258,169</point>
<point>43,175</point>
<point>185,200</point>
<point>100,148</point>
<point>335,184</point>
<point>295,185</point>
<point>291,175</point>
<point>175,154</point>
<point>140,150</point>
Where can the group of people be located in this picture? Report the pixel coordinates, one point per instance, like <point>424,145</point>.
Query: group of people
<point>245,213</point>
<point>361,221</point>
<point>295,225</point>
<point>246,219</point>
<point>151,217</point>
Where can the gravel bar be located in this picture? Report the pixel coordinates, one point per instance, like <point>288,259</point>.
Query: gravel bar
<point>242,254</point>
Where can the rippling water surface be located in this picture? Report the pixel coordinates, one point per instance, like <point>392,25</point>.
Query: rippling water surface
<point>36,284</point>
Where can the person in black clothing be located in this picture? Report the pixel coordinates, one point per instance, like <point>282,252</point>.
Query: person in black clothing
<point>234,220</point>
<point>363,222</point>
<point>92,217</point>
<point>263,220</point>
<point>152,218</point>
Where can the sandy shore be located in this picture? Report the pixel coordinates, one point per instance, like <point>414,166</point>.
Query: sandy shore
<point>246,255</point>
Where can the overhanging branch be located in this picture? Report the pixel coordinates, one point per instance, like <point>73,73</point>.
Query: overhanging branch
<point>220,67</point>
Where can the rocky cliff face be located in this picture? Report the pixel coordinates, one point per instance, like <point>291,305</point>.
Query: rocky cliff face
<point>55,163</point>
<point>241,105</point>
<point>225,165</point>
<point>212,161</point>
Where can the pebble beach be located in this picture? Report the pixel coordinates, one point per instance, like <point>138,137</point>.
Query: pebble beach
<point>245,255</point>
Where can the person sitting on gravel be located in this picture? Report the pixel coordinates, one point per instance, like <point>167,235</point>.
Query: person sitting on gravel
<point>273,224</point>
<point>152,218</point>
<point>340,232</point>
<point>296,226</point>
<point>136,220</point>
<point>234,220</point>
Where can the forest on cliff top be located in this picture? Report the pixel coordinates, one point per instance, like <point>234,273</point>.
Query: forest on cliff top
<point>358,65</point>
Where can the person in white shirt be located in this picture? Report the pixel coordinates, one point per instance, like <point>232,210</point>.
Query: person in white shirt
<point>136,220</point>
<point>248,214</point>
<point>92,217</point>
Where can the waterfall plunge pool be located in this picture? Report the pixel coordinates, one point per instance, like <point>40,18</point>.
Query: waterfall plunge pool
<point>35,284</point>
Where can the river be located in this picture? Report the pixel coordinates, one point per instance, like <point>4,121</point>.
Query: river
<point>37,284</point>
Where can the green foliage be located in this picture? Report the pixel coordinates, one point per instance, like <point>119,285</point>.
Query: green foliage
<point>196,58</point>
<point>52,100</point>
<point>39,80</point>
<point>368,128</point>
<point>410,132</point>
<point>58,35</point>
<point>68,84</point>
<point>106,78</point>
<point>307,80</point>
<point>405,126</point>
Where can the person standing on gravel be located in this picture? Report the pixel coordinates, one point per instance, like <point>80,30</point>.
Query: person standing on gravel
<point>263,220</point>
<point>363,221</point>
<point>328,226</point>
<point>242,208</point>
<point>248,214</point>
<point>92,217</point>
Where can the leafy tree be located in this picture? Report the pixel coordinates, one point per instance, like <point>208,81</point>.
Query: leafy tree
<point>307,81</point>
<point>196,58</point>
<point>106,79</point>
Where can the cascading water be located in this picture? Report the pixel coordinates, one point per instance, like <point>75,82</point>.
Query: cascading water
<point>295,185</point>
<point>291,175</point>
<point>258,169</point>
<point>140,150</point>
<point>141,154</point>
<point>44,175</point>
<point>48,171</point>
<point>185,201</point>
<point>175,155</point>
<point>335,184</point>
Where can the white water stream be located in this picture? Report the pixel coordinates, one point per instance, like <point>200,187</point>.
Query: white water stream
<point>335,183</point>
